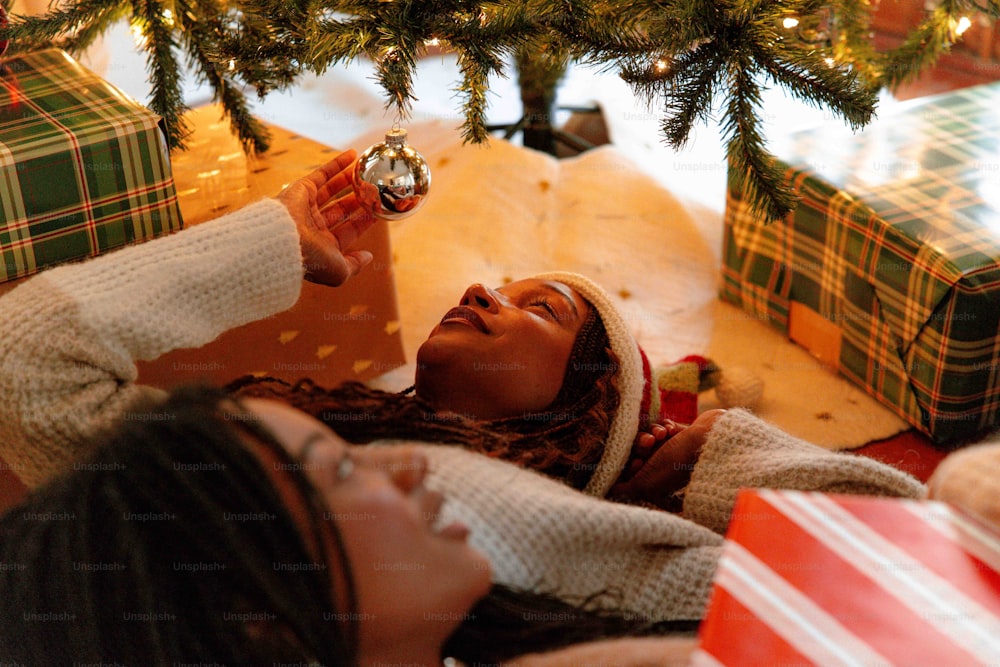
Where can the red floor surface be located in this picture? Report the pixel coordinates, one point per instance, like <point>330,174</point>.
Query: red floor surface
<point>909,451</point>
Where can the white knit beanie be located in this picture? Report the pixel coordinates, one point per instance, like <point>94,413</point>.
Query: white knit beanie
<point>631,380</point>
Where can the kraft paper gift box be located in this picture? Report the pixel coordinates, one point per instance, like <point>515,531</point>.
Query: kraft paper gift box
<point>814,579</point>
<point>889,267</point>
<point>332,334</point>
<point>83,167</point>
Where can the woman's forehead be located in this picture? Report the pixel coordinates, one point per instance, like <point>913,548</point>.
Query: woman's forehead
<point>292,428</point>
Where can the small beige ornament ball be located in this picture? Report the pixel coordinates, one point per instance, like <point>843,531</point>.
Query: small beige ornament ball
<point>739,387</point>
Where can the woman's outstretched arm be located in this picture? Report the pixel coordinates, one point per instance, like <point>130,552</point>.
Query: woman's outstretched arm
<point>70,336</point>
<point>698,471</point>
<point>741,450</point>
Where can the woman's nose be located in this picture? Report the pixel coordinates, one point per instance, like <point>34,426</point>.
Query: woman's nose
<point>404,466</point>
<point>409,471</point>
<point>479,295</point>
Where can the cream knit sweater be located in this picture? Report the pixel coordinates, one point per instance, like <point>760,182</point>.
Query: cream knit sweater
<point>69,338</point>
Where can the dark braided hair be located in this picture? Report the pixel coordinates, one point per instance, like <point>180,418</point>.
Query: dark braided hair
<point>565,442</point>
<point>168,545</point>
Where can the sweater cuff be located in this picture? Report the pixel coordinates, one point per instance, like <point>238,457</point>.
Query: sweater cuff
<point>742,451</point>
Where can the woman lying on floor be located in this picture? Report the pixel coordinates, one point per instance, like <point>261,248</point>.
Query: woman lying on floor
<point>229,527</point>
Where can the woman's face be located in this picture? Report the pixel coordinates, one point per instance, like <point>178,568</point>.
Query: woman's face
<point>415,581</point>
<point>501,352</point>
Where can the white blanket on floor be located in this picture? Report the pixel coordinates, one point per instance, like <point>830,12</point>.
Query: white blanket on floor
<point>504,212</point>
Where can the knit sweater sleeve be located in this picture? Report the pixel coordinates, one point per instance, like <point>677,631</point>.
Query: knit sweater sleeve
<point>743,451</point>
<point>542,535</point>
<point>70,336</point>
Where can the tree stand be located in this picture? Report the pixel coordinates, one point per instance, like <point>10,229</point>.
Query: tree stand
<point>538,78</point>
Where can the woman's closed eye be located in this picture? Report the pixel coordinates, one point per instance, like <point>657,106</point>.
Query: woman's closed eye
<point>343,466</point>
<point>544,304</point>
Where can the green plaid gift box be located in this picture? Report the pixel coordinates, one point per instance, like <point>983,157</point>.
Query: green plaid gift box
<point>895,245</point>
<point>83,167</point>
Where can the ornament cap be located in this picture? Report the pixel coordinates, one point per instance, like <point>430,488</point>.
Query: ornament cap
<point>396,137</point>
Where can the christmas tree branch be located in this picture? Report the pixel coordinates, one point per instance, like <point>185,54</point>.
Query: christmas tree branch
<point>589,35</point>
<point>475,77</point>
<point>851,21</point>
<point>162,67</point>
<point>264,40</point>
<point>755,170</point>
<point>923,45</point>
<point>58,26</point>
<point>682,55</point>
<point>200,42</point>
<point>88,31</point>
<point>690,88</point>
<point>816,79</point>
<point>334,41</point>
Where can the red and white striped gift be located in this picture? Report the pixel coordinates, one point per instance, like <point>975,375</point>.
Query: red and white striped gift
<point>809,578</point>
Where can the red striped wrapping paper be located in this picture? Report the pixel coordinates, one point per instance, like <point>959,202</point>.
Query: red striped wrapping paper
<point>814,579</point>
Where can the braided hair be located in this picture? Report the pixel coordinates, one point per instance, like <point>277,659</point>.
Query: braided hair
<point>566,441</point>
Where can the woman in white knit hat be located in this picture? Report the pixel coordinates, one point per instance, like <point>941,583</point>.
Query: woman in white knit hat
<point>196,528</point>
<point>541,372</point>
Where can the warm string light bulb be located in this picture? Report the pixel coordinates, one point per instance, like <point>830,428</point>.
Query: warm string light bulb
<point>138,35</point>
<point>139,32</point>
<point>813,28</point>
<point>388,54</point>
<point>964,24</point>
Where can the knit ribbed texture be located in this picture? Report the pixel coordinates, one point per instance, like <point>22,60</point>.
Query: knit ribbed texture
<point>625,424</point>
<point>70,336</point>
<point>744,451</point>
<point>69,339</point>
<point>970,479</point>
<point>542,535</point>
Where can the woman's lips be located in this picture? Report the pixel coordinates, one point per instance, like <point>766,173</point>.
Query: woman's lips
<point>465,315</point>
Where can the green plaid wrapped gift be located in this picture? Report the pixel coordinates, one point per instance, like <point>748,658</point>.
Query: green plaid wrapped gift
<point>894,246</point>
<point>83,167</point>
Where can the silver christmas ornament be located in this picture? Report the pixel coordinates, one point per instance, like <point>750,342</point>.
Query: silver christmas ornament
<point>390,178</point>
